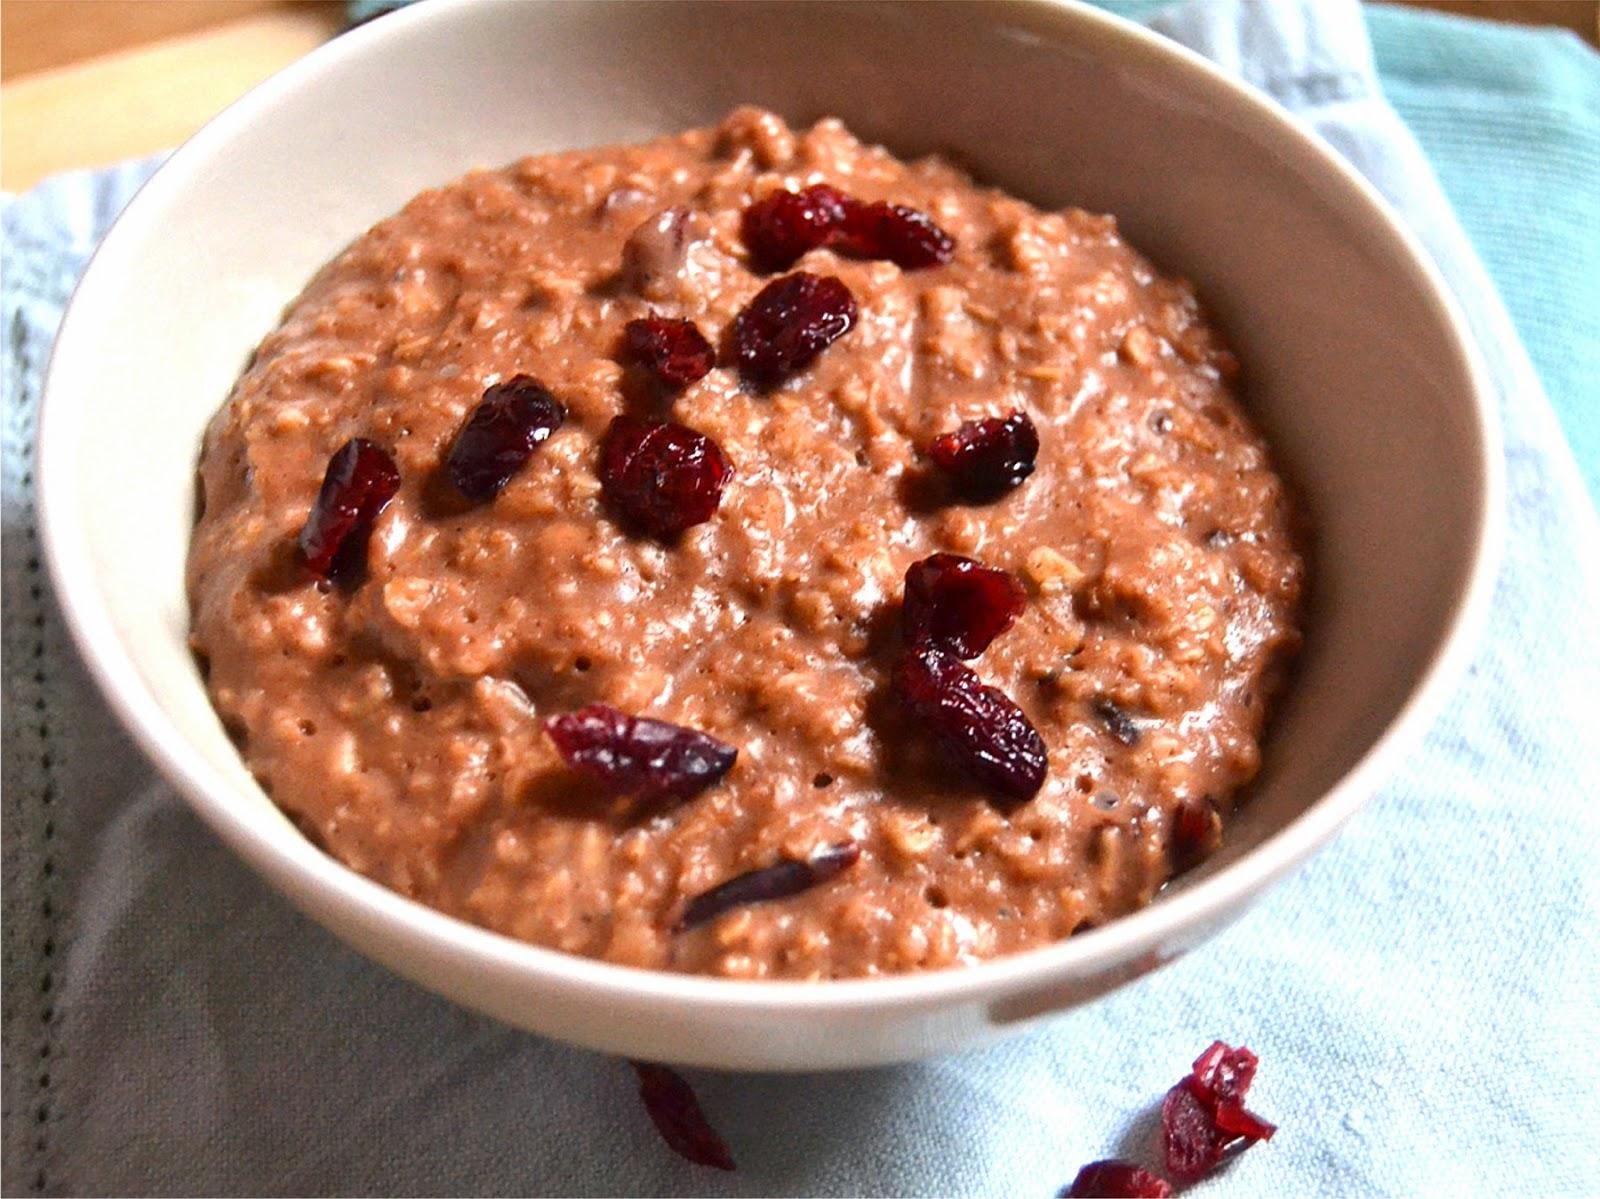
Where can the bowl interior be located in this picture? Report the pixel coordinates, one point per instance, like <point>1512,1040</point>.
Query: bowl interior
<point>1352,363</point>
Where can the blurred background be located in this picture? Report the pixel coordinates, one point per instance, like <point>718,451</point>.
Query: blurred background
<point>90,82</point>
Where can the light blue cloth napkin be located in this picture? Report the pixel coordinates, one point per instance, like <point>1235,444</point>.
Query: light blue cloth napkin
<point>1423,995</point>
<point>1510,120</point>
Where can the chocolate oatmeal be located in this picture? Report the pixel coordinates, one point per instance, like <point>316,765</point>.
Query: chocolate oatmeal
<point>749,554</point>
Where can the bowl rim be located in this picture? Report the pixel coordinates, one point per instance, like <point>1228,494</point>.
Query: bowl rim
<point>332,891</point>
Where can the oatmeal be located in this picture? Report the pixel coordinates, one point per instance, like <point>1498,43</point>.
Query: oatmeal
<point>748,554</point>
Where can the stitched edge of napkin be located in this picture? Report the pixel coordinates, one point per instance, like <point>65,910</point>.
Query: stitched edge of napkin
<point>29,941</point>
<point>49,234</point>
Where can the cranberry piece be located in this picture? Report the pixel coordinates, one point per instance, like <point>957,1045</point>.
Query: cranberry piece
<point>674,1110</point>
<point>1223,1074</point>
<point>360,481</point>
<point>1116,1180</point>
<point>779,229</point>
<point>1220,1078</point>
<point>906,237</point>
<point>637,756</point>
<point>1203,1118</point>
<point>958,605</point>
<point>1191,1142</point>
<point>789,322</point>
<point>983,730</point>
<point>662,477</point>
<point>780,881</point>
<point>1235,1120</point>
<point>986,458</point>
<point>1196,831</point>
<point>511,421</point>
<point>675,352</point>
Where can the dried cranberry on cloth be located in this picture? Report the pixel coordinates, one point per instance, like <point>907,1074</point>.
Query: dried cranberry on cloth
<point>1422,994</point>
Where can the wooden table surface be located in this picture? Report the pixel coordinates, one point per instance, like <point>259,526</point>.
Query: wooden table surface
<point>89,82</point>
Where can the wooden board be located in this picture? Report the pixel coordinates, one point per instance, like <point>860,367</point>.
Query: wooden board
<point>150,97</point>
<point>36,35</point>
<point>90,82</point>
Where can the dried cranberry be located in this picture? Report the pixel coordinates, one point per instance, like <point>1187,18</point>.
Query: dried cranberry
<point>1223,1074</point>
<point>662,477</point>
<point>675,1112</point>
<point>1196,831</point>
<point>984,731</point>
<point>637,756</point>
<point>505,428</point>
<point>675,352</point>
<point>779,229</point>
<point>985,458</point>
<point>1116,1180</point>
<point>1118,723</point>
<point>906,237</point>
<point>1234,1119</point>
<point>779,881</point>
<point>1220,1078</point>
<point>1203,1118</point>
<point>1191,1142</point>
<point>783,226</point>
<point>958,605</point>
<point>789,322</point>
<point>360,481</point>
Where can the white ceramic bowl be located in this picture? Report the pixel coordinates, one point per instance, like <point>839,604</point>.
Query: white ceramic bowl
<point>1360,371</point>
